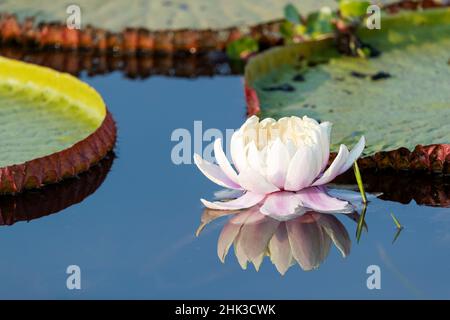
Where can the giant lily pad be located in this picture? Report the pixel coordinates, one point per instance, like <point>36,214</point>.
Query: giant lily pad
<point>115,15</point>
<point>164,26</point>
<point>52,126</point>
<point>398,100</point>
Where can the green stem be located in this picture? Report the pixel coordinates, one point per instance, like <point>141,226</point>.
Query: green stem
<point>397,223</point>
<point>361,223</point>
<point>359,181</point>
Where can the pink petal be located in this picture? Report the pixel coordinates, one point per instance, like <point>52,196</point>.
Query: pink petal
<point>223,162</point>
<point>308,244</point>
<point>336,231</point>
<point>239,252</point>
<point>210,215</point>
<point>229,233</point>
<point>334,169</point>
<point>317,199</point>
<point>280,250</point>
<point>282,205</point>
<point>214,173</point>
<point>249,199</point>
<point>254,237</point>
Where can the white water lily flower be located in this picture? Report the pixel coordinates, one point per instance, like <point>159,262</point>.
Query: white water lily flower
<point>281,163</point>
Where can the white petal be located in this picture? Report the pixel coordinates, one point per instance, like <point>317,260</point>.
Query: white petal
<point>291,148</point>
<point>310,120</point>
<point>249,199</point>
<point>237,150</point>
<point>252,180</point>
<point>334,168</point>
<point>277,163</point>
<point>325,128</point>
<point>354,154</point>
<point>223,162</point>
<point>250,122</point>
<point>316,136</point>
<point>250,129</point>
<point>303,169</point>
<point>336,231</point>
<point>214,173</point>
<point>267,121</point>
<point>254,159</point>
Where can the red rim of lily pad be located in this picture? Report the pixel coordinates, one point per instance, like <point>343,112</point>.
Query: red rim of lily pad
<point>434,158</point>
<point>51,199</point>
<point>60,165</point>
<point>56,35</point>
<point>68,162</point>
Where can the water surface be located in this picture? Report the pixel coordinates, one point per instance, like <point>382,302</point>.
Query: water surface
<point>135,236</point>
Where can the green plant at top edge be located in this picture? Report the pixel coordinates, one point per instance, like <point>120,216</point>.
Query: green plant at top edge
<point>353,9</point>
<point>242,48</point>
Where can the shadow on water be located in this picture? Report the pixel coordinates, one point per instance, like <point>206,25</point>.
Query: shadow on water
<point>402,187</point>
<point>132,66</point>
<point>51,199</point>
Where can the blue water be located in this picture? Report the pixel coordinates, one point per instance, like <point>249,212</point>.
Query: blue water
<point>134,238</point>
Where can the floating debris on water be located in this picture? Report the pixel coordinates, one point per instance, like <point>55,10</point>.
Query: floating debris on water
<point>357,74</point>
<point>286,87</point>
<point>374,77</point>
<point>380,75</point>
<point>298,78</point>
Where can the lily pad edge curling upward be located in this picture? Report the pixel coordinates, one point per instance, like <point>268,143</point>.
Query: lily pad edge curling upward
<point>434,157</point>
<point>71,161</point>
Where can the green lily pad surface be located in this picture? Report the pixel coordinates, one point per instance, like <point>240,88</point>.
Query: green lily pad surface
<point>115,15</point>
<point>398,99</point>
<point>34,124</point>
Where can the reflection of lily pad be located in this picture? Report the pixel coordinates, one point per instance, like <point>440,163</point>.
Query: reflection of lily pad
<point>52,126</point>
<point>402,187</point>
<point>51,199</point>
<point>399,99</point>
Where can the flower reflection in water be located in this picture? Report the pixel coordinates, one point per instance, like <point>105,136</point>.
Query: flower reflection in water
<point>304,239</point>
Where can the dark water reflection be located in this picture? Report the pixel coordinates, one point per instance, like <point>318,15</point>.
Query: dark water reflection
<point>422,188</point>
<point>132,66</point>
<point>135,236</point>
<point>35,204</point>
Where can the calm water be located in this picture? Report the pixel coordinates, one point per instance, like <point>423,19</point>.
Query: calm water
<point>135,236</point>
